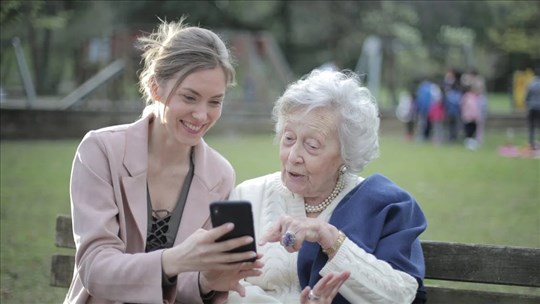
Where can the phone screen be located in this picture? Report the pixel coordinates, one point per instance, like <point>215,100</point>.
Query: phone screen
<point>239,213</point>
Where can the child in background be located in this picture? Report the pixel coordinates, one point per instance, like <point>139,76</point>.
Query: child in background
<point>470,115</point>
<point>406,113</point>
<point>436,114</point>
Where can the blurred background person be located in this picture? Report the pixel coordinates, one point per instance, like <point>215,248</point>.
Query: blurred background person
<point>479,88</point>
<point>452,98</point>
<point>470,116</point>
<point>406,112</point>
<point>532,101</point>
<point>423,104</point>
<point>436,114</point>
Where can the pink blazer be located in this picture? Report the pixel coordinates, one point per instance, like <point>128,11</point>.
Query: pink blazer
<point>109,212</point>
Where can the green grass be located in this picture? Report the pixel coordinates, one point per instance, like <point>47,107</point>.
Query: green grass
<point>499,103</point>
<point>470,197</point>
<point>34,188</point>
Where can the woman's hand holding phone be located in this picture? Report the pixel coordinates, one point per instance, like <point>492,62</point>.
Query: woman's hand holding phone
<point>229,279</point>
<point>216,256</point>
<point>200,251</point>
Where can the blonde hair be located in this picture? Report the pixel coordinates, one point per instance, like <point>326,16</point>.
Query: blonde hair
<point>177,50</point>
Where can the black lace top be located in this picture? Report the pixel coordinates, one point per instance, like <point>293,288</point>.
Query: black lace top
<point>162,224</point>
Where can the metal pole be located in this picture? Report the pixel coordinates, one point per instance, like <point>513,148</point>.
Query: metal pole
<point>25,73</point>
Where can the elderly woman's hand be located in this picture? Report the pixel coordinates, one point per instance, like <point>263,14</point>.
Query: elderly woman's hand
<point>325,290</point>
<point>292,231</point>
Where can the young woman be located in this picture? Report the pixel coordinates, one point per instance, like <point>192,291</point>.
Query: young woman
<point>140,193</point>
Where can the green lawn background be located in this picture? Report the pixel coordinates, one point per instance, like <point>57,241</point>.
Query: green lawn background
<point>470,197</point>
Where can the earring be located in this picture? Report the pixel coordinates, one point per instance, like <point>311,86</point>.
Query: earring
<point>158,97</point>
<point>342,169</point>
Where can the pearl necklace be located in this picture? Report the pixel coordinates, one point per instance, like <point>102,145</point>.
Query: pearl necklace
<point>320,207</point>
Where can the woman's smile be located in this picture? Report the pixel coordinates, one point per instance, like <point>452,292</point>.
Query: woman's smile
<point>191,128</point>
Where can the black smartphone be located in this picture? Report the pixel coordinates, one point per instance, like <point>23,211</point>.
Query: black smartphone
<point>239,213</point>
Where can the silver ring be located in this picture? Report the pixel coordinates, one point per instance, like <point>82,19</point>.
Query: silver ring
<point>288,239</point>
<point>313,297</point>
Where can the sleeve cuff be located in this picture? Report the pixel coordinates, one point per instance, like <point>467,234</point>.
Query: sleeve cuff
<point>167,282</point>
<point>339,261</point>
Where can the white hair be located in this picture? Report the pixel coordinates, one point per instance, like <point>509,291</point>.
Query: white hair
<point>342,93</point>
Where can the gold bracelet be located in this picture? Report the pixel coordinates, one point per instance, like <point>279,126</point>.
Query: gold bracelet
<point>341,238</point>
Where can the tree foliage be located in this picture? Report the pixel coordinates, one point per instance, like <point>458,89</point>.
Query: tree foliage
<point>420,37</point>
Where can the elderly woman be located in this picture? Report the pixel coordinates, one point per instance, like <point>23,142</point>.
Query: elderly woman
<point>322,229</point>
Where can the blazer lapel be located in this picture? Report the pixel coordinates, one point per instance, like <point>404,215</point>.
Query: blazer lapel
<point>136,205</point>
<point>136,163</point>
<point>202,192</point>
<point>196,212</point>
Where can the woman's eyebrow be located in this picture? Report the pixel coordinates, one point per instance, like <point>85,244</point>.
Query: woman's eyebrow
<point>191,91</point>
<point>197,93</point>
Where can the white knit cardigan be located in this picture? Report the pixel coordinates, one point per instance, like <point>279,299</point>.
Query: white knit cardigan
<point>371,280</point>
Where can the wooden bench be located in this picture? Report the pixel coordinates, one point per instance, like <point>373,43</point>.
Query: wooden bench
<point>494,265</point>
<point>62,264</point>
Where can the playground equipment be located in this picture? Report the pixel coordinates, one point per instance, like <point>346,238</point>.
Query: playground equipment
<point>370,62</point>
<point>263,71</point>
<point>520,81</point>
<point>458,41</point>
<point>89,86</point>
<point>75,97</point>
<point>24,73</point>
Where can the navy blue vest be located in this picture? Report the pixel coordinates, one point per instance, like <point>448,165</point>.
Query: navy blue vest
<point>382,219</point>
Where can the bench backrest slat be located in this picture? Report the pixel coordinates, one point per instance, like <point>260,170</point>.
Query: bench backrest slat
<point>482,263</point>
<point>64,232</point>
<point>61,270</point>
<point>441,295</point>
<point>502,265</point>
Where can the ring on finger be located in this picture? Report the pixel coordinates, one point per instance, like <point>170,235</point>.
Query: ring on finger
<point>313,297</point>
<point>288,239</point>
